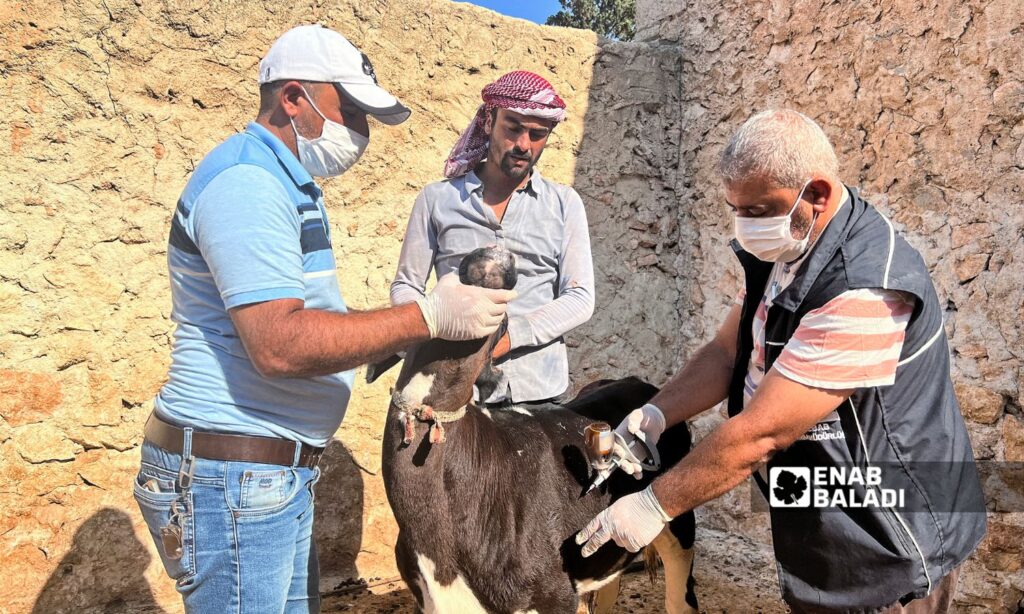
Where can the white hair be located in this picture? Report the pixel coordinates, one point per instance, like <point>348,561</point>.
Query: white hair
<point>782,147</point>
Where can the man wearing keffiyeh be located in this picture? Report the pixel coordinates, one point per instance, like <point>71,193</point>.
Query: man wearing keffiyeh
<point>494,194</point>
<point>524,94</point>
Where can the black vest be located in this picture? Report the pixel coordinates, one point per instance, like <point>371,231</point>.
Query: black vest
<point>867,557</point>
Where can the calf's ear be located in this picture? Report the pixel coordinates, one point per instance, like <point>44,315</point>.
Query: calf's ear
<point>376,369</point>
<point>487,381</point>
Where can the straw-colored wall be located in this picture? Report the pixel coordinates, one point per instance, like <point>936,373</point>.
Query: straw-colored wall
<point>108,106</point>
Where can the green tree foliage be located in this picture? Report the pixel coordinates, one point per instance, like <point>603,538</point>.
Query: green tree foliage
<point>609,18</point>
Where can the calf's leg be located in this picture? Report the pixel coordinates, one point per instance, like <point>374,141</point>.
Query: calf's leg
<point>405,560</point>
<point>605,597</point>
<point>675,547</point>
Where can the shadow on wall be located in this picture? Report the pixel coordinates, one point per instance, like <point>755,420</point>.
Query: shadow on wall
<point>104,569</point>
<point>85,579</point>
<point>338,526</point>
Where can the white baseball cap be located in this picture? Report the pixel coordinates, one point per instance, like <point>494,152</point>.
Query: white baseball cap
<point>316,53</point>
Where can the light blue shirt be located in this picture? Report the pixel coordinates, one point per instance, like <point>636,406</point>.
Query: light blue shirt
<point>250,226</point>
<point>545,227</point>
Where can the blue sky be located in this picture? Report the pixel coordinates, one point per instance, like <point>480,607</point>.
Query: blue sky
<point>534,10</point>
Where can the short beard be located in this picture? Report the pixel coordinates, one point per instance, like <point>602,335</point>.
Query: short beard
<point>800,227</point>
<point>511,171</point>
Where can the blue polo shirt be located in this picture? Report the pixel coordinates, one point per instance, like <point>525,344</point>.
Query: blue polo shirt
<point>250,226</point>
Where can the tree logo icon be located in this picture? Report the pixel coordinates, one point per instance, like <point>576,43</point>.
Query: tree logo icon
<point>789,487</point>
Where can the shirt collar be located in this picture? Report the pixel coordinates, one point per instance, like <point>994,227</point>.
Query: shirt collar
<point>533,186</point>
<point>473,182</point>
<point>291,164</point>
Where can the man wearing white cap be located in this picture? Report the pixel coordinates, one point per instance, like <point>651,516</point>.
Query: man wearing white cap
<point>262,360</point>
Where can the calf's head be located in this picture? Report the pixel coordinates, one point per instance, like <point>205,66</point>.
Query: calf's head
<point>440,374</point>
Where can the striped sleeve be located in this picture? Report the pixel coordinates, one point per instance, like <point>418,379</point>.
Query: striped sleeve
<point>249,233</point>
<point>853,341</point>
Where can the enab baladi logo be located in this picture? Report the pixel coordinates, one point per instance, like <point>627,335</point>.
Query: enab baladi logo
<point>831,487</point>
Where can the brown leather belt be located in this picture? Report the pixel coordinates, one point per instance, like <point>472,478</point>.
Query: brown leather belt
<point>220,446</point>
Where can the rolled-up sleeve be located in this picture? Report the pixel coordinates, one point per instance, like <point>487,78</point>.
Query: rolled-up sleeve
<point>575,301</point>
<point>248,231</point>
<point>417,257</point>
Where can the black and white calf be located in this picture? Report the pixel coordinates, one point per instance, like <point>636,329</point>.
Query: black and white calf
<point>488,501</point>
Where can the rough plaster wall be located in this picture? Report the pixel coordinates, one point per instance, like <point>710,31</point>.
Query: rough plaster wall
<point>924,101</point>
<point>107,108</point>
<point>627,166</point>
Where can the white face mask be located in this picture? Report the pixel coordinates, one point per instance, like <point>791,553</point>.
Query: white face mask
<point>332,153</point>
<point>769,238</point>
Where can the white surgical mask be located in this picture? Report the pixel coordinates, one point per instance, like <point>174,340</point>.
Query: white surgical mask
<point>333,152</point>
<point>770,238</point>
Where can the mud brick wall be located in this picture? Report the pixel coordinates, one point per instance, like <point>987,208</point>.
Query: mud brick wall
<point>924,101</point>
<point>107,107</point>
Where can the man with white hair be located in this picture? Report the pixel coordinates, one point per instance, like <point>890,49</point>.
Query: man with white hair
<point>494,194</point>
<point>264,350</point>
<point>835,365</point>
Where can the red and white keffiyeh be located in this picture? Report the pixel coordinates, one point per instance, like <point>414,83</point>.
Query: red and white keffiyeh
<point>520,91</point>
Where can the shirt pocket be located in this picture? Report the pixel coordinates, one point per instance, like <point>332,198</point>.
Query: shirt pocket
<point>537,243</point>
<point>458,239</point>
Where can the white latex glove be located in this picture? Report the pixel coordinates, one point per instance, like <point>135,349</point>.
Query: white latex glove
<point>632,522</point>
<point>647,420</point>
<point>458,312</point>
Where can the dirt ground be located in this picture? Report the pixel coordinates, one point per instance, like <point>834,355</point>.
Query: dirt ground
<point>733,575</point>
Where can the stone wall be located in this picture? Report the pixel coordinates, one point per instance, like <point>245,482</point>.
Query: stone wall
<point>109,105</point>
<point>924,101</point>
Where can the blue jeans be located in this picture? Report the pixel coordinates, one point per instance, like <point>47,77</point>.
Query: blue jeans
<point>246,532</point>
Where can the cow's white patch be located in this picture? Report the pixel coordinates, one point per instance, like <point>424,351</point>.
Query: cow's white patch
<point>678,563</point>
<point>415,392</point>
<point>437,599</point>
<point>487,413</point>
<point>586,586</point>
<point>604,598</point>
<point>520,410</point>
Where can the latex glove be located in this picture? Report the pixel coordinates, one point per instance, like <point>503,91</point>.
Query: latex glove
<point>458,312</point>
<point>632,522</point>
<point>647,420</point>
